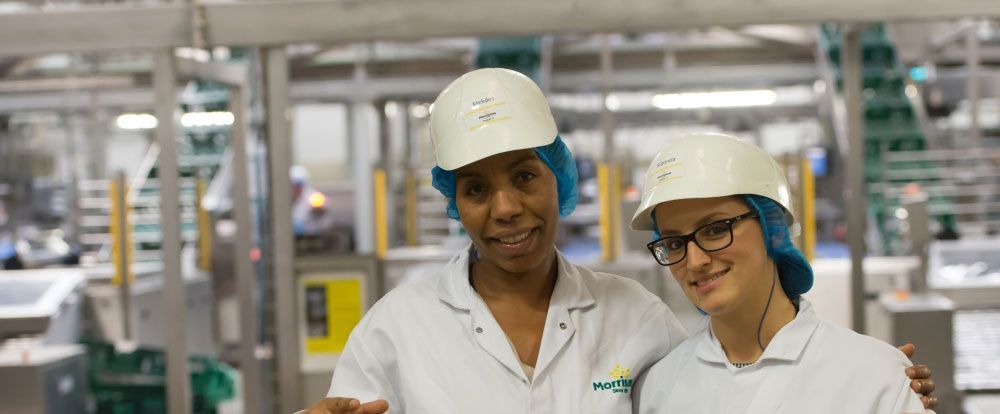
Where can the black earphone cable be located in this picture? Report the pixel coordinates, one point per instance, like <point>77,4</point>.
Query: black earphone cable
<point>766,307</point>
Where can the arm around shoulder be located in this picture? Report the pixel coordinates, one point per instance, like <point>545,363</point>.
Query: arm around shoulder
<point>359,373</point>
<point>908,402</point>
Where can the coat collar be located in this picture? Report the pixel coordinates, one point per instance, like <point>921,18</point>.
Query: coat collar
<point>787,345</point>
<point>454,289</point>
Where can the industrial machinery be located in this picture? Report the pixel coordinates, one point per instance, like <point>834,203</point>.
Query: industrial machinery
<point>333,292</point>
<point>831,291</point>
<point>968,273</point>
<point>31,248</point>
<point>124,341</point>
<point>69,343</point>
<point>925,319</point>
<point>106,311</point>
<point>956,323</point>
<point>42,371</point>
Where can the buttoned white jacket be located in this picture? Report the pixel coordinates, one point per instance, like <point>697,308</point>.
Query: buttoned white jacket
<point>433,346</point>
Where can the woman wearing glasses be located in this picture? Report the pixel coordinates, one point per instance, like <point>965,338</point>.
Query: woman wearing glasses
<point>720,211</point>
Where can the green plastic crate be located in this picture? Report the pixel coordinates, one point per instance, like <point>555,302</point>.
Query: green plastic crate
<point>134,382</point>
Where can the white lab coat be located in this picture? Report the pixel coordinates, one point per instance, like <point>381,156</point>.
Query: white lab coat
<point>434,347</point>
<point>810,366</point>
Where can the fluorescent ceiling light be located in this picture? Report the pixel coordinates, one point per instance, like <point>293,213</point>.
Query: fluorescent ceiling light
<point>719,99</point>
<point>197,55</point>
<point>207,119</point>
<point>613,103</point>
<point>391,109</point>
<point>420,111</point>
<point>136,121</point>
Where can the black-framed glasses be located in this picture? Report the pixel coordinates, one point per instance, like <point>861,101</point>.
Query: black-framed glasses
<point>711,237</point>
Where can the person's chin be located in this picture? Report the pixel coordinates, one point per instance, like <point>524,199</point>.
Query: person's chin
<point>714,304</point>
<point>521,264</point>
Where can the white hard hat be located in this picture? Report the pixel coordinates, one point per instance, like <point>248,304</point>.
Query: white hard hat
<point>487,112</point>
<point>298,175</point>
<point>710,165</point>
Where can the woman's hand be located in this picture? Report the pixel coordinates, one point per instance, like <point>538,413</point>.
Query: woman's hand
<point>920,378</point>
<point>341,405</point>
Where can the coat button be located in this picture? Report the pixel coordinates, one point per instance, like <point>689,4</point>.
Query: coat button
<point>479,329</point>
<point>562,325</point>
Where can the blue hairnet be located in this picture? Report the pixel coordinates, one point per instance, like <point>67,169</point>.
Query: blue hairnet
<point>793,269</point>
<point>555,155</point>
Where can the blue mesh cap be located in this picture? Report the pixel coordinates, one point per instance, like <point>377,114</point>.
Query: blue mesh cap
<point>793,269</point>
<point>555,155</point>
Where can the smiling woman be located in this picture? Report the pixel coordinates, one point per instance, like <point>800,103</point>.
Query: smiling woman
<point>516,326</point>
<point>721,222</point>
<point>508,204</point>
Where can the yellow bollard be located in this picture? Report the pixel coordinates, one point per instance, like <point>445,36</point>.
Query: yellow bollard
<point>381,221</point>
<point>122,250</point>
<point>204,229</point>
<point>808,210</point>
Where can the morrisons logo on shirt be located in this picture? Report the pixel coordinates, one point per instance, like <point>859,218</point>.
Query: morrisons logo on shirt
<point>619,384</point>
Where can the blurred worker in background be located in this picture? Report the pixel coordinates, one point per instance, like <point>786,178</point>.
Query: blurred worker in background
<point>310,214</point>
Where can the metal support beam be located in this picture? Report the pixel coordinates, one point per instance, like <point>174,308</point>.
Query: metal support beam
<point>279,149</point>
<point>608,180</point>
<point>547,55</point>
<point>412,125</point>
<point>257,23</point>
<point>236,77</point>
<point>97,139</point>
<point>174,295</point>
<point>393,119</point>
<point>944,40</point>
<point>363,134</point>
<point>228,73</point>
<point>607,117</point>
<point>95,28</point>
<point>246,280</point>
<point>855,195</point>
<point>420,87</point>
<point>246,23</point>
<point>15,97</point>
<point>76,100</point>
<point>689,77</point>
<point>362,124</point>
<point>972,61</point>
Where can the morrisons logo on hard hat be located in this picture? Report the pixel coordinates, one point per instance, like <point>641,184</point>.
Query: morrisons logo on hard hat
<point>619,384</point>
<point>483,101</point>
